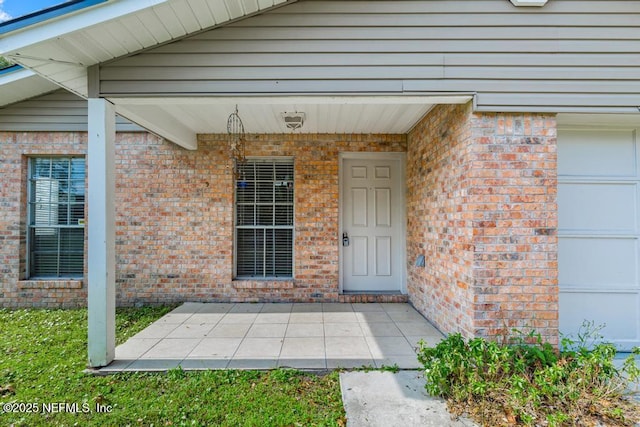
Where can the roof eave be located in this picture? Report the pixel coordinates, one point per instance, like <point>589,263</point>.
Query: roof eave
<point>67,23</point>
<point>43,15</point>
<point>19,84</point>
<point>30,46</point>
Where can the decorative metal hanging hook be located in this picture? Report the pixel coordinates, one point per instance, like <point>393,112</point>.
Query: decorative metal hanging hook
<point>236,137</point>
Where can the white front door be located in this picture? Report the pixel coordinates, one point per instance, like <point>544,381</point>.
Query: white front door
<point>372,224</point>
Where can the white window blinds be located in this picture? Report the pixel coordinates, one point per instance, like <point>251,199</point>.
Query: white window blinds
<point>264,219</point>
<point>56,217</point>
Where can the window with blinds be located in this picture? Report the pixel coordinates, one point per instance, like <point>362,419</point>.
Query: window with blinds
<point>56,217</point>
<point>264,219</point>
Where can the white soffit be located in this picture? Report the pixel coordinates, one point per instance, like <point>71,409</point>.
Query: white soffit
<point>60,49</point>
<point>22,84</point>
<point>358,114</point>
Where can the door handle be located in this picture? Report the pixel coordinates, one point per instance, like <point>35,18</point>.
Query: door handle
<point>345,239</point>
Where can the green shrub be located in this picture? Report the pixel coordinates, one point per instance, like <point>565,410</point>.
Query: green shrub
<point>525,381</point>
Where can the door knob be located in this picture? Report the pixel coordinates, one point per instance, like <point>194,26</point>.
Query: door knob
<point>345,239</point>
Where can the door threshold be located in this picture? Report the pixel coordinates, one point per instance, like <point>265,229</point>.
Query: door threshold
<point>373,297</point>
<point>372,293</point>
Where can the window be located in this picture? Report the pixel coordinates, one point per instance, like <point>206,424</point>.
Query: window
<point>264,219</point>
<point>56,217</point>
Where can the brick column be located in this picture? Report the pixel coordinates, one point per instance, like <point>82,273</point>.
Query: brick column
<point>512,191</point>
<point>482,209</point>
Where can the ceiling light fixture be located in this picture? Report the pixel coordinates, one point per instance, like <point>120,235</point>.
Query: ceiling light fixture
<point>293,120</point>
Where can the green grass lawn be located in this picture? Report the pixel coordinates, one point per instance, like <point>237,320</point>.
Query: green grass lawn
<point>43,355</point>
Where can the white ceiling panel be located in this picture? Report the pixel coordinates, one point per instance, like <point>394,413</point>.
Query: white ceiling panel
<point>168,18</point>
<point>151,21</point>
<point>234,8</point>
<point>74,77</point>
<point>123,35</point>
<point>184,14</point>
<point>267,118</point>
<point>86,49</point>
<point>138,31</point>
<point>250,6</point>
<point>202,13</point>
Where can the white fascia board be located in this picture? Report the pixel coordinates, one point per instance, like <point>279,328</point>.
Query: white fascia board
<point>66,24</point>
<point>15,76</point>
<point>162,124</point>
<point>537,3</point>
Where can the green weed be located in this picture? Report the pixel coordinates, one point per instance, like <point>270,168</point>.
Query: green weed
<point>524,381</point>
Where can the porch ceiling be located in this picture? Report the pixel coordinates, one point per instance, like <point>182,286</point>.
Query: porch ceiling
<point>180,120</point>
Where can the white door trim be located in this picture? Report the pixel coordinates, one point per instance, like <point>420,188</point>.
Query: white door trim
<point>402,159</point>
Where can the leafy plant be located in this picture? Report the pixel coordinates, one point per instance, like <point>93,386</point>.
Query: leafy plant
<point>525,381</point>
<point>390,368</point>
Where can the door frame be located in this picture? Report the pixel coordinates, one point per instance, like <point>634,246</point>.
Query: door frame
<point>401,158</point>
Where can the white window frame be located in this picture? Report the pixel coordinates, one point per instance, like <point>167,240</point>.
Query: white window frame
<point>292,227</point>
<point>31,221</point>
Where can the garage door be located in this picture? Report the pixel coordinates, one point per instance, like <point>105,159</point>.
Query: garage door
<point>598,253</point>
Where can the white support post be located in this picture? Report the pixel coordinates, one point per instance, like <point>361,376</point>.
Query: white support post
<point>101,232</point>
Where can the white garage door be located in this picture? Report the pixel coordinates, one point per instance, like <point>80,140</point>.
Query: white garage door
<point>598,203</point>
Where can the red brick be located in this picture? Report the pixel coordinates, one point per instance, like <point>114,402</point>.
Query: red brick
<point>175,217</point>
<point>488,160</point>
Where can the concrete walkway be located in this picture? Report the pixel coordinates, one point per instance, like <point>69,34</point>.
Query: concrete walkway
<point>386,399</point>
<point>265,336</point>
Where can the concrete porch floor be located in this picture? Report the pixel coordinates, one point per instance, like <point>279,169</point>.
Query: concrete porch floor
<point>264,336</point>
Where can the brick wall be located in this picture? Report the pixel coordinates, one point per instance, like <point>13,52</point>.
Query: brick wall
<point>174,220</point>
<point>15,291</point>
<point>482,209</point>
<point>438,227</point>
<point>514,182</point>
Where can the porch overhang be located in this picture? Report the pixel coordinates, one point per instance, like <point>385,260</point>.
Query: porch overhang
<point>179,120</point>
